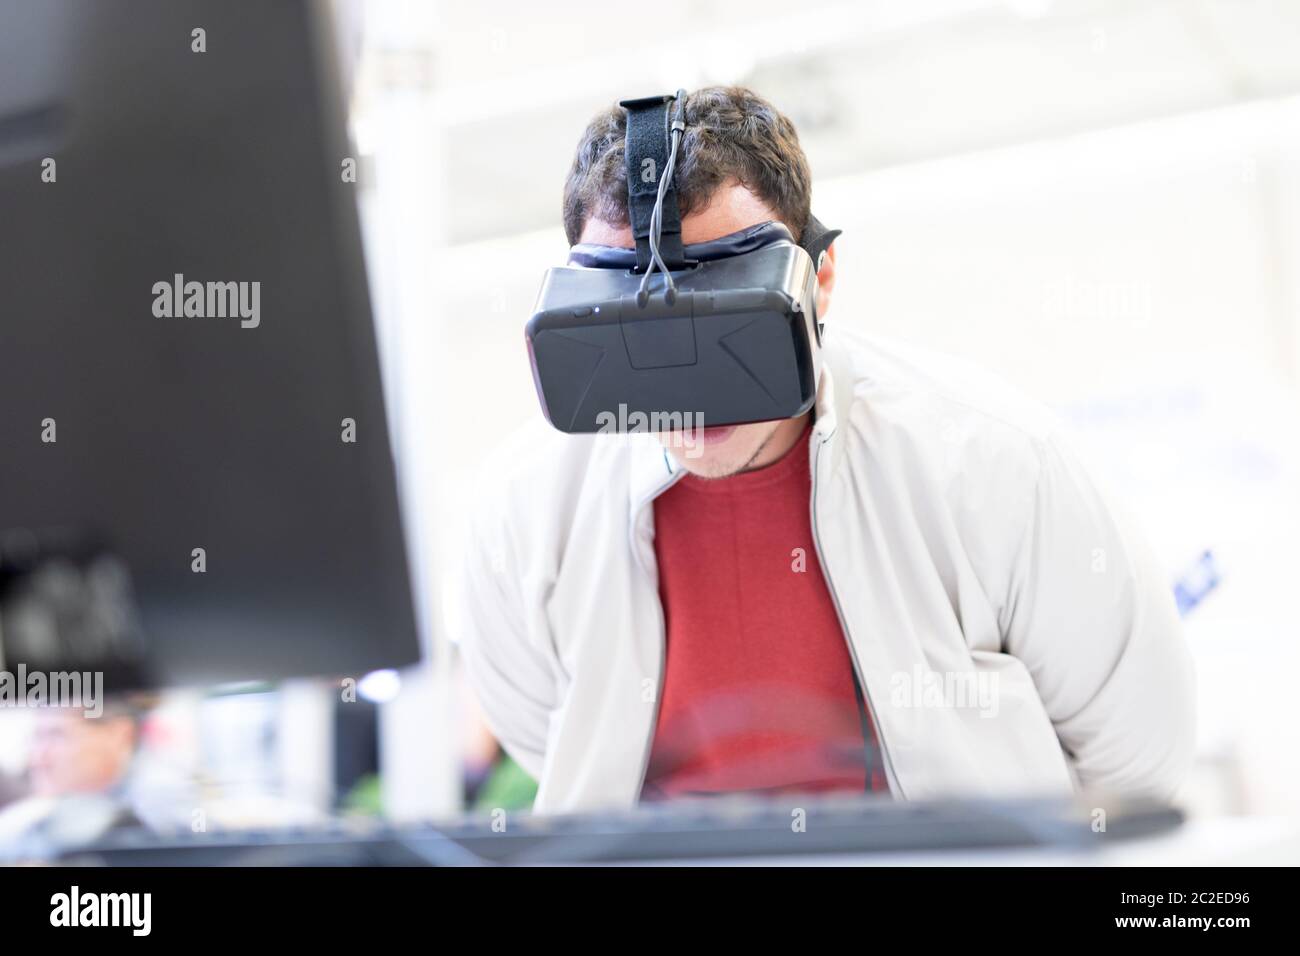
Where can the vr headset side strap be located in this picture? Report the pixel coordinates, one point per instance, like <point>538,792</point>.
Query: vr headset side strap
<point>646,156</point>
<point>816,239</point>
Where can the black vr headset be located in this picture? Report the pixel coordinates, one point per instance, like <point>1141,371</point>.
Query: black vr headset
<point>728,334</point>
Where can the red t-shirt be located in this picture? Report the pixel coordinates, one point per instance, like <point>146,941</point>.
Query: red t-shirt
<point>759,689</point>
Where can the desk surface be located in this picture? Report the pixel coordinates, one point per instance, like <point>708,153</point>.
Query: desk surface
<point>1224,841</point>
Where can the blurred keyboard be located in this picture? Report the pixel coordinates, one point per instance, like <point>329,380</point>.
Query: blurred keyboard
<point>721,828</point>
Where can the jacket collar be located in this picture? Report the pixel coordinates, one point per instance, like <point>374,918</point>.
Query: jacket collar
<point>826,414</point>
<point>652,470</point>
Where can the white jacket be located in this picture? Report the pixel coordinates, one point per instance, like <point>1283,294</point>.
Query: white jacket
<point>1013,634</point>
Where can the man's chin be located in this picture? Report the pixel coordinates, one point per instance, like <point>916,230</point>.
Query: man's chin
<point>720,452</point>
<point>711,466</point>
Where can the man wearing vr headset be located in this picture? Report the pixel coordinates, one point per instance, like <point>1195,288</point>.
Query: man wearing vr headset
<point>873,569</point>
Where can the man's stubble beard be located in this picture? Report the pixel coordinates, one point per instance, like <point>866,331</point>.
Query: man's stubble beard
<point>749,462</point>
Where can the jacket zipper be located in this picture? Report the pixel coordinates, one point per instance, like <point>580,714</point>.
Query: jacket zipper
<point>663,640</point>
<point>890,776</point>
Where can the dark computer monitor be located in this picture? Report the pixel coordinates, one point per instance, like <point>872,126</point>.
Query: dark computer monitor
<point>181,432</point>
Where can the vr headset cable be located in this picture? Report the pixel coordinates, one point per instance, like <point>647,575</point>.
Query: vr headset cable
<point>678,128</point>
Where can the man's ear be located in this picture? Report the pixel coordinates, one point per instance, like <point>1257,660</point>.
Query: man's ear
<point>825,282</point>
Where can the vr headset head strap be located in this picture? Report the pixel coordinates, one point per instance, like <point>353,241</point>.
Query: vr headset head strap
<point>816,239</point>
<point>650,121</point>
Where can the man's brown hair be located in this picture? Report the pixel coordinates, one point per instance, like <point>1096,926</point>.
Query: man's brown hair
<point>731,133</point>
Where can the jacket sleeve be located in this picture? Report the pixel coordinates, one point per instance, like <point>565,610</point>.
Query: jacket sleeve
<point>512,679</point>
<point>1092,616</point>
